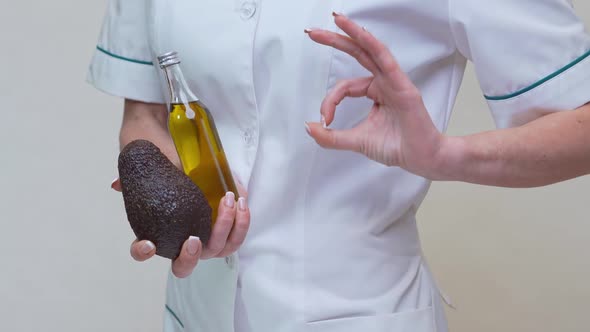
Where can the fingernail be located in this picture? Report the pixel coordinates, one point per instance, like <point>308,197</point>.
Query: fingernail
<point>336,14</point>
<point>365,28</point>
<point>307,128</point>
<point>242,205</point>
<point>230,199</point>
<point>308,30</point>
<point>193,245</point>
<point>113,183</point>
<point>323,121</point>
<point>147,247</point>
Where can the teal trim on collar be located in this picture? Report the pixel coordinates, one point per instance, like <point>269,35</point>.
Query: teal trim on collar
<point>544,80</point>
<point>174,315</point>
<point>123,58</point>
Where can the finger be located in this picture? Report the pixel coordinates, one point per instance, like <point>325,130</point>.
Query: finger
<point>346,88</point>
<point>344,44</point>
<point>239,230</point>
<point>116,185</point>
<point>335,139</point>
<point>142,250</point>
<point>186,262</point>
<point>378,52</point>
<point>223,225</point>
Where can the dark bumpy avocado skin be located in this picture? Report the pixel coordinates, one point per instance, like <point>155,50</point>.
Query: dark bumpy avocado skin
<point>163,205</point>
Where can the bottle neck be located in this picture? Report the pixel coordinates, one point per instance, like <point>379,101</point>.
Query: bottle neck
<point>179,90</point>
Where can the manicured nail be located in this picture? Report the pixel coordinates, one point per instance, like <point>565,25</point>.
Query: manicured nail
<point>336,14</point>
<point>323,121</point>
<point>113,183</point>
<point>230,199</point>
<point>242,205</point>
<point>147,247</point>
<point>307,128</point>
<point>193,245</point>
<point>308,30</point>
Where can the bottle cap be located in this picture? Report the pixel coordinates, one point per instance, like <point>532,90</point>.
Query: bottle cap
<point>168,59</point>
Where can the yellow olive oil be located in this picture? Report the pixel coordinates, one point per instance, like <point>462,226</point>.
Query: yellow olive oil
<point>200,151</point>
<point>195,137</point>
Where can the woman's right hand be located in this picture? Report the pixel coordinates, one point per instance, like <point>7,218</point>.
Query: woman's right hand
<point>227,236</point>
<point>149,121</point>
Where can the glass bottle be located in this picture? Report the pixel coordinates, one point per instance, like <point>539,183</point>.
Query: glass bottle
<point>195,137</point>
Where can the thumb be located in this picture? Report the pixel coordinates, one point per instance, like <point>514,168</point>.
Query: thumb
<point>334,139</point>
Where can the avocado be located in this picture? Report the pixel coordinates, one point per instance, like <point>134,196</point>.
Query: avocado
<point>163,205</point>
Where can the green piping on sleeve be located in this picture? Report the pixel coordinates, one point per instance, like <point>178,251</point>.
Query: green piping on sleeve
<point>123,58</point>
<point>174,315</point>
<point>544,80</point>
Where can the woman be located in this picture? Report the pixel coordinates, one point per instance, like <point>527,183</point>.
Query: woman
<point>333,244</point>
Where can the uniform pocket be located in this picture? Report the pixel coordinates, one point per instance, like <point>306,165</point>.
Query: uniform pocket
<point>421,320</point>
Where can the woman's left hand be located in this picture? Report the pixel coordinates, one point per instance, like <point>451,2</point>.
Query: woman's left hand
<point>398,130</point>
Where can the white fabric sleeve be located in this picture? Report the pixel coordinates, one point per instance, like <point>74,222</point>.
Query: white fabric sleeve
<point>123,64</point>
<point>531,56</point>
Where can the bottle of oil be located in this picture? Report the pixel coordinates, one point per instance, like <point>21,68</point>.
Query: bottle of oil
<point>195,137</point>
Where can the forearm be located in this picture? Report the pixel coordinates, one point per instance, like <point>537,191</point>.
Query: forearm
<point>149,122</point>
<point>553,148</point>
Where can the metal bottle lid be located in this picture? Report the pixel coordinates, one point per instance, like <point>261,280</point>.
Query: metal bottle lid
<point>168,59</point>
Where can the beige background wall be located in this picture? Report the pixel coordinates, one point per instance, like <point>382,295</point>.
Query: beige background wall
<point>512,260</point>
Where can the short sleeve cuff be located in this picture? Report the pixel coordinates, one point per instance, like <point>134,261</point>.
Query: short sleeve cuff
<point>566,89</point>
<point>124,77</point>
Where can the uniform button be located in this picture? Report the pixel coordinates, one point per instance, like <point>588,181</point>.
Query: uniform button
<point>249,137</point>
<point>248,10</point>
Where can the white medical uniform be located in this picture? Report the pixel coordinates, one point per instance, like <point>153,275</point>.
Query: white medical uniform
<point>333,244</point>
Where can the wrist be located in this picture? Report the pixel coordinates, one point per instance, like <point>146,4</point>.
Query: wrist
<point>450,161</point>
